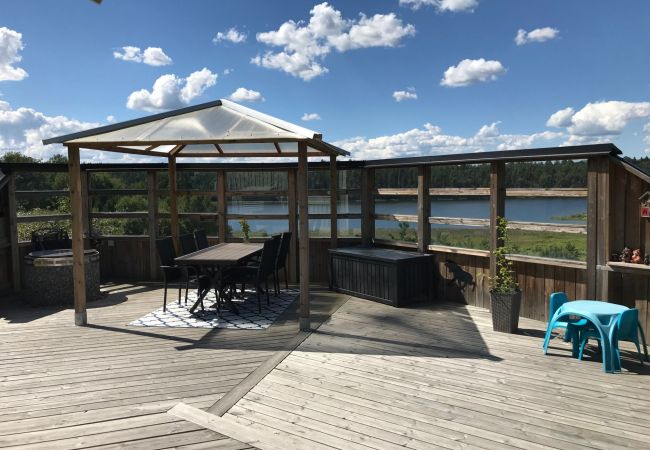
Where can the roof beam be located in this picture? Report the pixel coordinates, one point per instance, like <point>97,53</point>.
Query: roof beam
<point>174,151</point>
<point>219,149</point>
<point>277,147</point>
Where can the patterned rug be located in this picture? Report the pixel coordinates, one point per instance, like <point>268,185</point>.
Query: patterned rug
<point>247,319</point>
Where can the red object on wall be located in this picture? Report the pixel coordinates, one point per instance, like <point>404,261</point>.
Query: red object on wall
<point>645,211</point>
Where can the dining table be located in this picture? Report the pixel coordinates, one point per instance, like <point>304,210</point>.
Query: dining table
<point>603,316</point>
<point>213,260</point>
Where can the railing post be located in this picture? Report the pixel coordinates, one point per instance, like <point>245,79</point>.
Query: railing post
<point>85,203</point>
<point>334,184</point>
<point>78,269</point>
<point>424,208</point>
<point>367,206</point>
<point>13,233</point>
<point>303,239</point>
<point>173,207</point>
<point>222,222</point>
<point>598,227</point>
<point>497,209</point>
<point>293,225</point>
<point>152,216</point>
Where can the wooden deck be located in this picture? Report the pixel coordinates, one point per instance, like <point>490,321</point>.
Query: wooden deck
<point>372,376</point>
<point>110,385</point>
<point>438,377</point>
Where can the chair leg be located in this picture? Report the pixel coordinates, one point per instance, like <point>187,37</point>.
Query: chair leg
<point>266,282</point>
<point>582,348</point>
<point>286,279</point>
<point>187,286</point>
<point>180,289</point>
<point>638,349</point>
<point>276,282</point>
<point>165,296</point>
<point>259,300</point>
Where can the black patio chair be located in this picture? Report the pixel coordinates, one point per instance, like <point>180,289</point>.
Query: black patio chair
<point>256,274</point>
<point>188,244</point>
<point>201,239</point>
<point>281,261</point>
<point>175,273</point>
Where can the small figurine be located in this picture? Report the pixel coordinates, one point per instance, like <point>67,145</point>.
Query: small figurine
<point>626,255</point>
<point>636,256</point>
<point>646,260</point>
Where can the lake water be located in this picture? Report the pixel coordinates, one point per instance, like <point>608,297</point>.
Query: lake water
<point>546,210</point>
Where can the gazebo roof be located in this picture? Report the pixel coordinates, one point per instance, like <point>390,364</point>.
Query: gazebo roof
<point>218,128</point>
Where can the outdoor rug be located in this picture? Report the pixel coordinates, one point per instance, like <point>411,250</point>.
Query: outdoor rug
<point>247,319</point>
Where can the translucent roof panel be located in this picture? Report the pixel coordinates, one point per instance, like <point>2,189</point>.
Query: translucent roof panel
<point>219,122</point>
<point>211,124</point>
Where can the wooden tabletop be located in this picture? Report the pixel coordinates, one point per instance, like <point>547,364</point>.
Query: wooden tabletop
<point>221,254</point>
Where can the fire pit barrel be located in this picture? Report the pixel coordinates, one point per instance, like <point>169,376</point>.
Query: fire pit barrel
<point>48,277</point>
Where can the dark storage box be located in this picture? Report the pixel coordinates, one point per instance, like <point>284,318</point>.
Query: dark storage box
<point>388,276</point>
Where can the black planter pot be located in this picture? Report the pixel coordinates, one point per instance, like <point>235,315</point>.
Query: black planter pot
<point>505,311</point>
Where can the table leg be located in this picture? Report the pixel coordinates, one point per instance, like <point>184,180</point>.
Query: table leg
<point>222,292</point>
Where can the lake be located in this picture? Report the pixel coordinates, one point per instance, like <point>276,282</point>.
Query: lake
<point>546,210</point>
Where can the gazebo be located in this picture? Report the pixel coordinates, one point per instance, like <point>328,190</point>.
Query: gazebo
<point>216,129</point>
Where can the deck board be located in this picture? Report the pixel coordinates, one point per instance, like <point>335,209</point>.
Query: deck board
<point>437,376</point>
<point>110,385</point>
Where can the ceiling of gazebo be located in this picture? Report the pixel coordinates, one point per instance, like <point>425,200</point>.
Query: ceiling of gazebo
<point>220,128</point>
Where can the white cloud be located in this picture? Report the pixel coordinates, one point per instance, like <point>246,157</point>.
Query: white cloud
<point>605,118</point>
<point>110,119</point>
<point>408,94</point>
<point>170,91</point>
<point>228,71</point>
<point>470,71</point>
<point>152,56</point>
<point>23,129</point>
<point>232,35</point>
<point>310,116</point>
<point>11,43</point>
<point>430,140</point>
<point>304,46</point>
<point>561,118</point>
<point>536,35</point>
<point>442,5</point>
<point>246,95</point>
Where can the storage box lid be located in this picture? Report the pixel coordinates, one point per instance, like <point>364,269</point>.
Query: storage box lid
<point>379,254</point>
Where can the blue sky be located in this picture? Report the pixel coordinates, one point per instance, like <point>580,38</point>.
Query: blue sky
<point>581,71</point>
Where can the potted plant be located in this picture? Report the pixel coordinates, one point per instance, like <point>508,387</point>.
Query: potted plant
<point>505,295</point>
<point>246,229</point>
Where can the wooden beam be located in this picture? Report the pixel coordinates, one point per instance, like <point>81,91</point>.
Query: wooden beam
<point>334,196</point>
<point>303,238</point>
<point>78,269</point>
<point>277,147</point>
<point>173,206</point>
<point>176,150</point>
<point>592,226</point>
<point>85,203</point>
<point>497,208</point>
<point>603,247</point>
<point>151,147</point>
<point>152,217</point>
<point>219,149</point>
<point>424,208</point>
<point>367,206</point>
<point>222,222</point>
<point>292,200</point>
<point>13,234</point>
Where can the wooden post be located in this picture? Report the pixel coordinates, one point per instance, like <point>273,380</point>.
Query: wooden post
<point>424,208</point>
<point>303,238</point>
<point>222,222</point>
<point>13,234</point>
<point>603,246</point>
<point>78,269</point>
<point>367,206</point>
<point>592,226</point>
<point>334,196</point>
<point>293,224</point>
<point>173,207</point>
<point>85,203</point>
<point>152,216</point>
<point>497,209</point>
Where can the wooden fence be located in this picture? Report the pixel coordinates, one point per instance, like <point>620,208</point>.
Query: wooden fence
<point>612,193</point>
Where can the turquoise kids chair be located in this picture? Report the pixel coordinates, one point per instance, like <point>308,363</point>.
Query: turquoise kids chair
<point>626,329</point>
<point>556,300</point>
